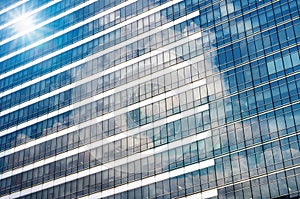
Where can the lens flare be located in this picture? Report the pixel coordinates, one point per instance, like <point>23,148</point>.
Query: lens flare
<point>24,25</point>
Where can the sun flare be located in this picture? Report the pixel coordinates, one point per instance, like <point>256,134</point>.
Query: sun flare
<point>24,25</point>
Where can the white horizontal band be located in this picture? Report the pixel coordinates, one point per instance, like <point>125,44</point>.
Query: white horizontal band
<point>28,123</point>
<point>103,95</point>
<point>47,21</point>
<point>112,69</point>
<point>113,138</point>
<point>203,195</point>
<point>152,32</point>
<point>88,39</point>
<point>67,29</point>
<point>21,147</point>
<point>120,111</point>
<point>51,3</point>
<point>119,189</point>
<point>95,76</point>
<point>12,6</point>
<point>153,179</point>
<point>118,162</point>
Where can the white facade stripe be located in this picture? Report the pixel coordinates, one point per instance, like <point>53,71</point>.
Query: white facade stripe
<point>109,92</point>
<point>9,151</point>
<point>110,70</point>
<point>47,21</point>
<point>109,139</point>
<point>147,153</point>
<point>39,60</point>
<point>114,113</point>
<point>119,189</point>
<point>153,179</point>
<point>103,95</point>
<point>51,3</point>
<point>41,41</point>
<point>12,6</point>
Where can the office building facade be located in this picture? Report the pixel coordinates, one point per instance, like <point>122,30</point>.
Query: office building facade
<point>121,99</point>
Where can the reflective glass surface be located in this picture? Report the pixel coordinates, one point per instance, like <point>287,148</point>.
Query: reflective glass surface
<point>150,99</point>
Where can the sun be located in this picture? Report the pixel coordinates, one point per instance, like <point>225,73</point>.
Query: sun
<point>24,25</point>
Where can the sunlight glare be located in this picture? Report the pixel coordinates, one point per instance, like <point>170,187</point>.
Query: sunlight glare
<point>25,24</point>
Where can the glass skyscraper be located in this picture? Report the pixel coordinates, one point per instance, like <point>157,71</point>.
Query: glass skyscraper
<point>129,99</point>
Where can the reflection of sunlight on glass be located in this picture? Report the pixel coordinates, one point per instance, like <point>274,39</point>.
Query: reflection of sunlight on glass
<point>25,24</point>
